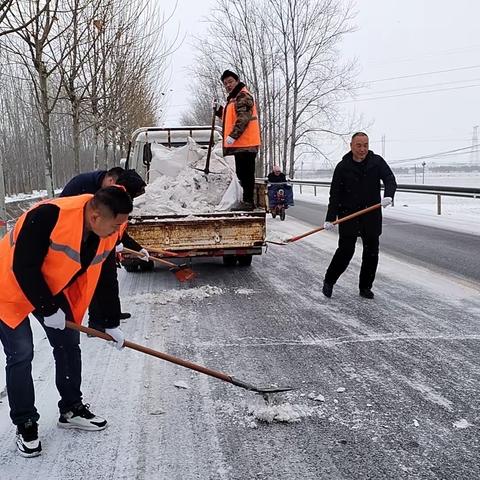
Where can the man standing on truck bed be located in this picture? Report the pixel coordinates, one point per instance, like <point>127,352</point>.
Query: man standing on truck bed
<point>241,133</point>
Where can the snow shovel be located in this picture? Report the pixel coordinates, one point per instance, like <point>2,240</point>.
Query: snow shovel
<point>180,361</point>
<point>182,272</point>
<point>206,170</point>
<point>319,229</point>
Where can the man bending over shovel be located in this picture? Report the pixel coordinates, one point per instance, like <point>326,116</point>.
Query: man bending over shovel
<point>49,265</point>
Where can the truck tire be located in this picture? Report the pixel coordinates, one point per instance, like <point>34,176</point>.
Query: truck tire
<point>245,260</point>
<point>130,266</point>
<point>146,266</point>
<point>282,214</point>
<point>274,213</point>
<point>229,260</point>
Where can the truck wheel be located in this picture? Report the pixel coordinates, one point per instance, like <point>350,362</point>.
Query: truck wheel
<point>130,266</point>
<point>274,213</point>
<point>282,214</point>
<point>245,260</point>
<point>146,266</point>
<point>229,260</point>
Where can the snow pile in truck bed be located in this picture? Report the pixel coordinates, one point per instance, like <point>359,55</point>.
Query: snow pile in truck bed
<point>177,187</point>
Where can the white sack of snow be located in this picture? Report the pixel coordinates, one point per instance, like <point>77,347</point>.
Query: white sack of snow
<point>189,190</point>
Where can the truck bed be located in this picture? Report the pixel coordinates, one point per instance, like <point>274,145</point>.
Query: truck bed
<point>212,234</point>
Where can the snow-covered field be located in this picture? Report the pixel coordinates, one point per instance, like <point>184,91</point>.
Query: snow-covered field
<point>458,214</point>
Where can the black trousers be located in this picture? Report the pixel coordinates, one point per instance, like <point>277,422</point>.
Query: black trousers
<point>343,255</point>
<point>18,346</point>
<point>104,310</point>
<point>245,168</point>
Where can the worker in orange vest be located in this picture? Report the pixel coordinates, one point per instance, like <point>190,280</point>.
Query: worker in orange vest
<point>49,265</point>
<point>241,133</point>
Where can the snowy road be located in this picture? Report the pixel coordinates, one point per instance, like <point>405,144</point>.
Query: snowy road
<point>399,377</point>
<point>453,251</point>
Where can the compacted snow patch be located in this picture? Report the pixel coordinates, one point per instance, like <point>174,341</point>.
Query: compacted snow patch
<point>283,413</point>
<point>163,297</point>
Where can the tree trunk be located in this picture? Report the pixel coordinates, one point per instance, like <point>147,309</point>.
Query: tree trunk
<point>76,136</point>
<point>3,211</point>
<point>47,134</point>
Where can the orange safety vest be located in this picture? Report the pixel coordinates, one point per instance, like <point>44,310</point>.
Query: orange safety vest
<point>250,136</point>
<point>61,263</point>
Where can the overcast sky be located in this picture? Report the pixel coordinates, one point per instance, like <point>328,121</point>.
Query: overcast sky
<point>393,39</point>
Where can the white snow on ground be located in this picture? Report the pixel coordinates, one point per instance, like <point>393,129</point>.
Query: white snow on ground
<point>163,297</point>
<point>177,184</point>
<point>458,214</point>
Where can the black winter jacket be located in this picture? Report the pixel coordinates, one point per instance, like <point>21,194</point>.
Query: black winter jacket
<point>356,185</point>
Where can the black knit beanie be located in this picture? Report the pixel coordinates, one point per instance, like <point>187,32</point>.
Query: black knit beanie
<point>228,73</point>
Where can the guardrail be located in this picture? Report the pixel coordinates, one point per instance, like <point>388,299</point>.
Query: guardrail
<point>438,190</point>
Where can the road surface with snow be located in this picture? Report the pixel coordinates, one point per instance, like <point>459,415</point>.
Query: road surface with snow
<point>453,252</point>
<point>385,389</point>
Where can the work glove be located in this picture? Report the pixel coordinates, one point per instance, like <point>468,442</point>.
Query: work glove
<point>57,320</point>
<point>329,226</point>
<point>117,335</point>
<point>229,140</point>
<point>386,201</point>
<point>146,256</point>
<point>119,248</point>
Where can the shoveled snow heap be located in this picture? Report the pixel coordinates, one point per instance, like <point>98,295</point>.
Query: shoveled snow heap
<point>177,184</point>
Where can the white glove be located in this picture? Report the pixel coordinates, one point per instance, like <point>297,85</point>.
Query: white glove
<point>146,256</point>
<point>386,201</point>
<point>329,226</point>
<point>229,140</point>
<point>117,335</point>
<point>119,248</point>
<point>57,320</point>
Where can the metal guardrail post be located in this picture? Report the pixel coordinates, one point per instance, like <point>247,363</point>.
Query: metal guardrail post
<point>439,204</point>
<point>300,188</point>
<point>315,190</point>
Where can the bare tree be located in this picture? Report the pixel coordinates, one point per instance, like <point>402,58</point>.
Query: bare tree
<point>286,51</point>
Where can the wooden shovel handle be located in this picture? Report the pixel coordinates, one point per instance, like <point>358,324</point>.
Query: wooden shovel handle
<point>336,222</point>
<point>153,353</point>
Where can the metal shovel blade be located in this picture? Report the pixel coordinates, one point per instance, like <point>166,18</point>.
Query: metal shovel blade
<point>253,388</point>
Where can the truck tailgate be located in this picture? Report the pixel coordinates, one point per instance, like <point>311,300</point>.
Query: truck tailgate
<point>225,230</point>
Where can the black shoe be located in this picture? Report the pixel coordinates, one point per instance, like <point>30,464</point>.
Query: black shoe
<point>327,289</point>
<point>366,293</point>
<point>82,418</point>
<point>125,315</point>
<point>27,440</point>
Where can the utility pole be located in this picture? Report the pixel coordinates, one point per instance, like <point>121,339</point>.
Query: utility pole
<point>415,170</point>
<point>423,172</point>
<point>383,146</point>
<point>474,154</point>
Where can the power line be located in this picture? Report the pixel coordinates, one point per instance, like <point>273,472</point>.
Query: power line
<point>423,74</point>
<point>411,93</point>
<point>423,86</point>
<point>432,155</point>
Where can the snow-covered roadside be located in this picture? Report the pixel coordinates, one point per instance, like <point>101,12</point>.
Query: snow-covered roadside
<point>458,214</point>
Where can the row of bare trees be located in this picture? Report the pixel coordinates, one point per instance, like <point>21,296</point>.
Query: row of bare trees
<point>76,78</point>
<point>287,52</point>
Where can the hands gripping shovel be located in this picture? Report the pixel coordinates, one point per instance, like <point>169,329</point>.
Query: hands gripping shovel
<point>319,229</point>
